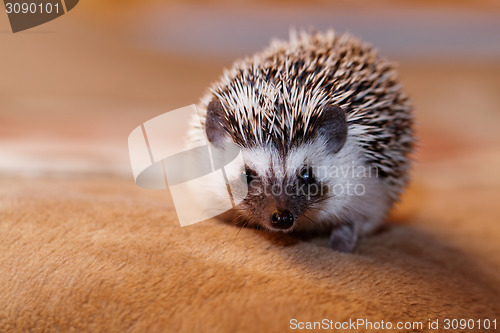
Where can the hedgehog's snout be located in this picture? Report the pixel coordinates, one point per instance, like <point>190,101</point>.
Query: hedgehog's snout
<point>282,219</point>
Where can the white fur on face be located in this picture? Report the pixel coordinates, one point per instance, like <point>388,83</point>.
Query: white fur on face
<point>342,172</point>
<point>356,195</point>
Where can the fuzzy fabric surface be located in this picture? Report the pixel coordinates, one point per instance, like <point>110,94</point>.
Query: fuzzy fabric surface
<point>99,254</point>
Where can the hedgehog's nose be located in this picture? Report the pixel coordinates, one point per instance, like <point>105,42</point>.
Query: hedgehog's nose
<point>282,219</point>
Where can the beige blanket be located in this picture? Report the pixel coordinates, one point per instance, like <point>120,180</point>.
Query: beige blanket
<point>100,254</point>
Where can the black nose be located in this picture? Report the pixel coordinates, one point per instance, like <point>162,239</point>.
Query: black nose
<point>282,219</point>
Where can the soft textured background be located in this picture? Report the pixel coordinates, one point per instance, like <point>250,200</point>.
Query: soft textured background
<point>83,248</point>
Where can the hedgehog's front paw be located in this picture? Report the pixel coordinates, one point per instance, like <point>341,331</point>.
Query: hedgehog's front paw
<point>344,238</point>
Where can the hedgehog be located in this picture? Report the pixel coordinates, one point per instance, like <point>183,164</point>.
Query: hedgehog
<point>325,130</point>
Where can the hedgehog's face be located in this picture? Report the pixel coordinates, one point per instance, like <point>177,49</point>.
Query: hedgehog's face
<point>285,192</point>
<point>290,188</point>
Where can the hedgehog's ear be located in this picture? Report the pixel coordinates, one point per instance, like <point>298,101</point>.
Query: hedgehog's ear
<point>214,127</point>
<point>332,126</point>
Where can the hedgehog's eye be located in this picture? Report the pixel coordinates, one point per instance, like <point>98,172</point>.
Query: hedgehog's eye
<point>307,175</point>
<point>248,175</point>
